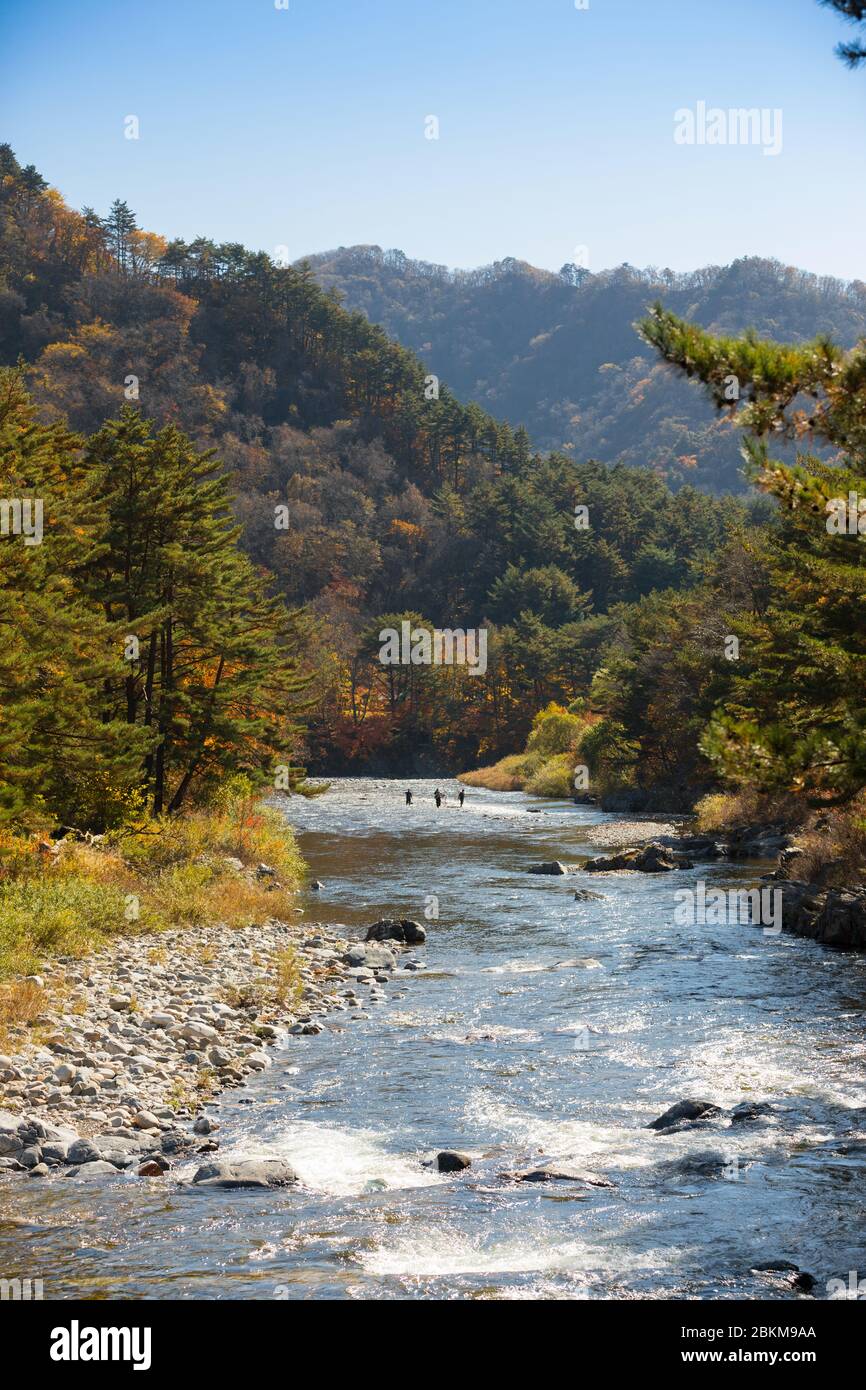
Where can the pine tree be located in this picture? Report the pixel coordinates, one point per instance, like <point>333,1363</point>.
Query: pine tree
<point>854,10</point>
<point>212,670</point>
<point>118,227</point>
<point>63,758</point>
<point>795,719</point>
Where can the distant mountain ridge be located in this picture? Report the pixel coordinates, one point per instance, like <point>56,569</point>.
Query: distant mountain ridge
<point>558,352</point>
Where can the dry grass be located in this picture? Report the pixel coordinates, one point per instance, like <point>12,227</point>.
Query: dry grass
<point>170,873</point>
<point>834,850</point>
<point>248,996</point>
<point>21,1002</point>
<point>287,982</point>
<point>537,773</point>
<point>508,775</point>
<point>738,809</point>
<point>833,842</point>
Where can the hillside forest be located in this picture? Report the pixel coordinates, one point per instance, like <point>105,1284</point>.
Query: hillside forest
<point>244,482</point>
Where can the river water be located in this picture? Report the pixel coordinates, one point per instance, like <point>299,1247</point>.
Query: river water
<point>541,1026</point>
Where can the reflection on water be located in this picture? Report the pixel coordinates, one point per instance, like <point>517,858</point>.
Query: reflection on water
<point>542,1026</point>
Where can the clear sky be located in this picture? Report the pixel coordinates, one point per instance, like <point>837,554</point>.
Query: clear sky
<point>305,127</point>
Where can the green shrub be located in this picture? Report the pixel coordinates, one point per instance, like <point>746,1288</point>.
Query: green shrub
<point>555,777</point>
<point>609,754</point>
<point>554,730</point>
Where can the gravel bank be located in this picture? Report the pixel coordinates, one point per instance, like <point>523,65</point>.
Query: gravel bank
<point>625,834</point>
<point>136,1041</point>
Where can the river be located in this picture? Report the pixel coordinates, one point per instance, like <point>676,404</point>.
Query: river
<point>541,1026</point>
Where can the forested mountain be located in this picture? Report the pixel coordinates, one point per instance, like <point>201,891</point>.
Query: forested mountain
<point>398,501</point>
<point>558,353</point>
<point>363,498</point>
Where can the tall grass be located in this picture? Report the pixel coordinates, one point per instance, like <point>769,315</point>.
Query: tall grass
<point>21,1002</point>
<point>508,775</point>
<point>736,810</point>
<point>167,873</point>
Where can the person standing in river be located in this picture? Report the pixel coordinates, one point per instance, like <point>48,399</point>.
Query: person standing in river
<point>408,797</point>
<point>437,797</point>
<point>461,796</point>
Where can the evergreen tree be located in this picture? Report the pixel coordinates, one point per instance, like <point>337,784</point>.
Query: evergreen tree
<point>795,718</point>
<point>118,227</point>
<point>854,10</point>
<point>212,673</point>
<point>64,757</point>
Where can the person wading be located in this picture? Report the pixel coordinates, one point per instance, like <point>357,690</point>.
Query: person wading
<point>408,797</point>
<point>461,796</point>
<point>437,797</point>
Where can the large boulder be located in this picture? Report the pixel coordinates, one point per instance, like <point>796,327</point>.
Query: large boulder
<point>705,1163</point>
<point>100,1168</point>
<point>229,1173</point>
<point>654,858</point>
<point>118,1149</point>
<point>701,846</point>
<point>144,1119</point>
<point>83,1151</point>
<point>765,842</point>
<point>55,1151</point>
<point>607,863</point>
<point>551,866</point>
<point>450,1161</point>
<point>375,955</point>
<point>685,1112</point>
<point>833,916</point>
<point>792,1274</point>
<point>406,931</point>
<point>196,1032</point>
<point>750,1111</point>
<point>559,1172</point>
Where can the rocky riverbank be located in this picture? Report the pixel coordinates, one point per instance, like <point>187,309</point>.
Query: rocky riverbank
<point>121,1069</point>
<point>835,916</point>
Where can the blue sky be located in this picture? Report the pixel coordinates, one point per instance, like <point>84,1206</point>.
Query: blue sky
<point>305,127</point>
